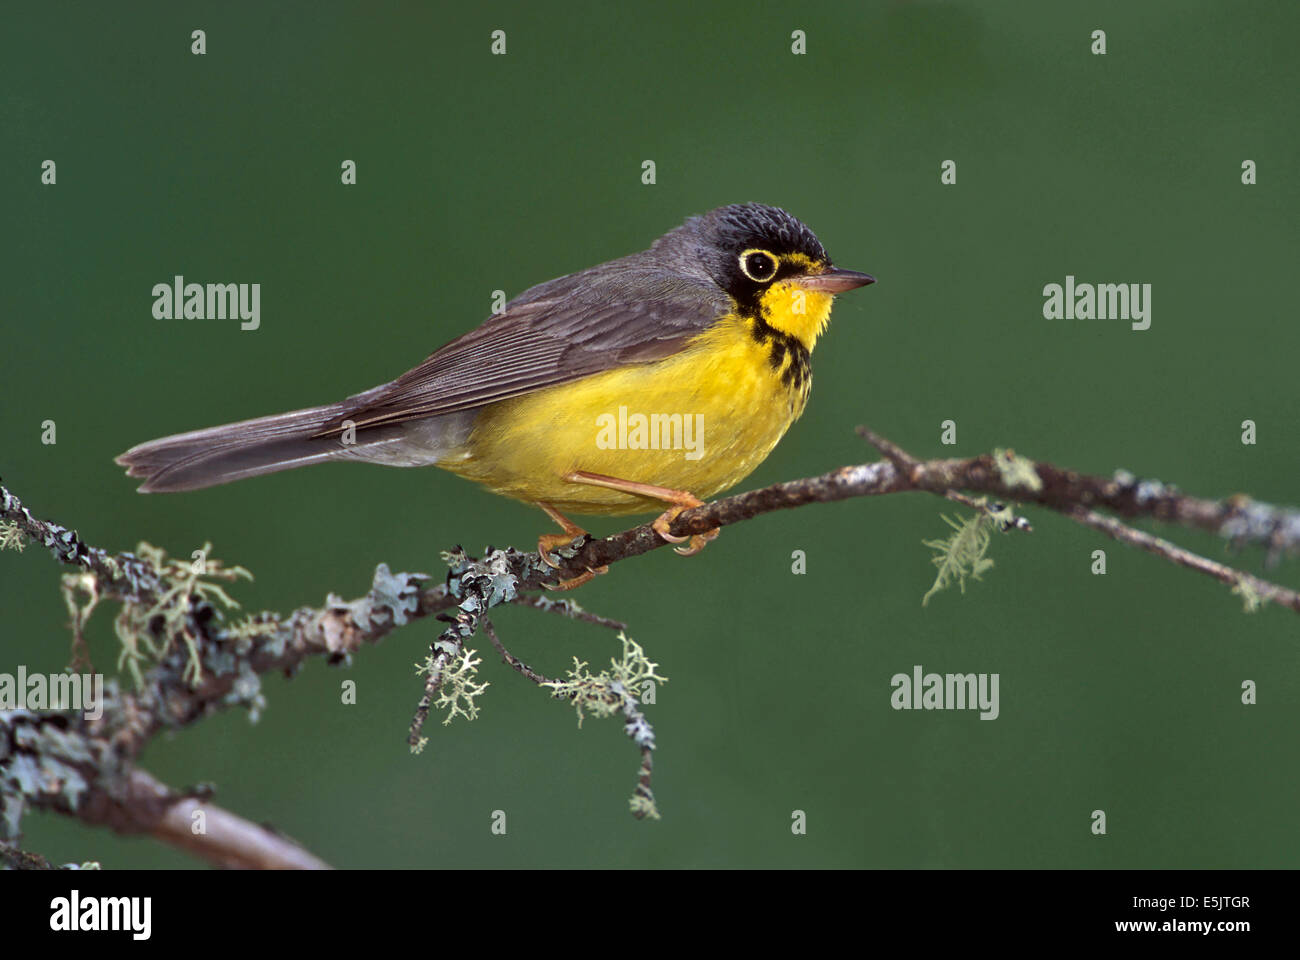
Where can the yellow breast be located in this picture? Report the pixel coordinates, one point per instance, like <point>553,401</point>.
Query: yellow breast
<point>700,420</point>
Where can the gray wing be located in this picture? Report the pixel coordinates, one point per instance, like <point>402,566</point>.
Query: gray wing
<point>615,314</point>
<point>635,310</point>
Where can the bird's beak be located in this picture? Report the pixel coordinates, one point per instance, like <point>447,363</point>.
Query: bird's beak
<point>834,280</point>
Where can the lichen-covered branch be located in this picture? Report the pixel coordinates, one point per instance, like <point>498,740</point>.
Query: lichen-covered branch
<point>49,760</point>
<point>204,661</point>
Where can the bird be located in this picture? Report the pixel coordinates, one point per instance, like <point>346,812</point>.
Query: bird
<point>640,384</point>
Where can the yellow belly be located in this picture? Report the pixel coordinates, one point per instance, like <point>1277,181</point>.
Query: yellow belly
<point>700,420</point>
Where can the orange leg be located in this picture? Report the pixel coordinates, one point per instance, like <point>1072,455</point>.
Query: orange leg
<point>549,541</point>
<point>680,500</point>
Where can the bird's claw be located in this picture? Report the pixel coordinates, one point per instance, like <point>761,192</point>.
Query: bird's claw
<point>663,523</point>
<point>549,541</point>
<point>574,582</point>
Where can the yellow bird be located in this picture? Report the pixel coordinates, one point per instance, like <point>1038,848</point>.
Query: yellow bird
<point>636,383</point>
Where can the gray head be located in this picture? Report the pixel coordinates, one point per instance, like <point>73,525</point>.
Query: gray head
<point>747,247</point>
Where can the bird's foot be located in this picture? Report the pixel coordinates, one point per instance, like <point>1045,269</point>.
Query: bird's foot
<point>663,523</point>
<point>680,500</point>
<point>549,541</point>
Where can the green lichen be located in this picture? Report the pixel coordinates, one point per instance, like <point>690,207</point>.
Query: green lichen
<point>961,555</point>
<point>458,691</point>
<point>188,586</point>
<point>1017,471</point>
<point>610,691</point>
<point>1252,593</point>
<point>11,536</point>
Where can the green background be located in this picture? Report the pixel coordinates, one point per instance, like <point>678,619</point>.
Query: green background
<point>477,172</point>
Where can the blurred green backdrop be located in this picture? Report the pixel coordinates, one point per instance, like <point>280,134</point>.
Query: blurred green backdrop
<point>478,172</point>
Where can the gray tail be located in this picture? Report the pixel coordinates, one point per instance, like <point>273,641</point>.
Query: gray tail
<point>205,458</point>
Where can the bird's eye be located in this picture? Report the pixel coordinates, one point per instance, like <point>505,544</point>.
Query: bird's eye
<point>758,265</point>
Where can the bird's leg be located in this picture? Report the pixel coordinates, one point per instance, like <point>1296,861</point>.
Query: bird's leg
<point>679,499</point>
<point>549,541</point>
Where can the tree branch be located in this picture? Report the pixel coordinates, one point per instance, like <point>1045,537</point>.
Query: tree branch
<point>230,657</point>
<point>189,822</point>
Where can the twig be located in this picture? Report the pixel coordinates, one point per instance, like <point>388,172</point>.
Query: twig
<point>566,608</point>
<point>510,658</point>
<point>1237,579</point>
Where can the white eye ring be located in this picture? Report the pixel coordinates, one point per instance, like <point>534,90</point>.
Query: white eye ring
<point>759,265</point>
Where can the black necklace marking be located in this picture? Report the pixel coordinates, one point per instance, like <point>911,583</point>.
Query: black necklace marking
<point>799,371</point>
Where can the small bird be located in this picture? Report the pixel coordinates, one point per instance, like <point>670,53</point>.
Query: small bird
<point>653,379</point>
